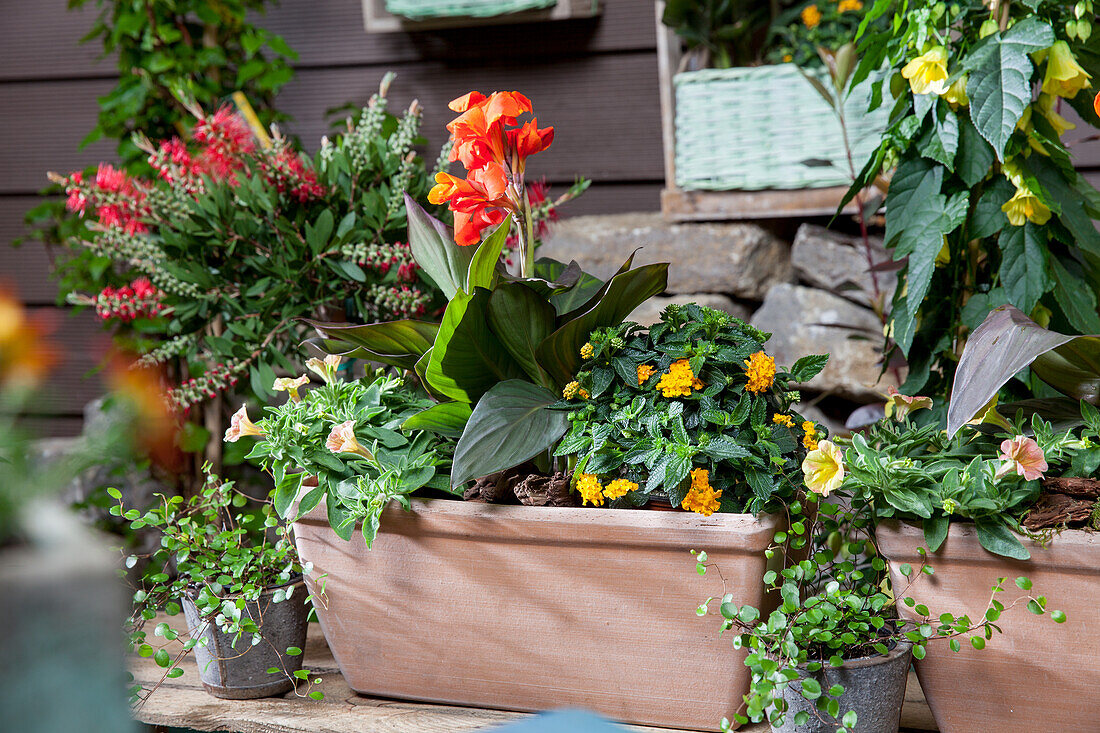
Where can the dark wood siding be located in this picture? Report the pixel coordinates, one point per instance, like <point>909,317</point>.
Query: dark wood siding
<point>594,79</point>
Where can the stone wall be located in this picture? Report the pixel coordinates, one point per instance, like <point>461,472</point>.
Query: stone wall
<point>815,294</point>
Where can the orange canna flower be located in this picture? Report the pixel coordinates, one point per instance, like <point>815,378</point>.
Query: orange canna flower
<point>1096,103</point>
<point>494,151</point>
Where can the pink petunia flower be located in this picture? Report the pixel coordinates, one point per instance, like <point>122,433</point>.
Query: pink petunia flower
<point>1023,455</point>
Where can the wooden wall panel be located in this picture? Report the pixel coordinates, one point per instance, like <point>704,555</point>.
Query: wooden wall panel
<point>40,39</point>
<point>83,345</point>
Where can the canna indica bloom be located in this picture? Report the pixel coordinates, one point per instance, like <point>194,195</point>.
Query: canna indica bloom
<point>342,440</point>
<point>1024,456</point>
<point>240,426</point>
<point>899,405</point>
<point>927,73</point>
<point>1064,76</point>
<point>823,468</point>
<point>325,368</point>
<point>290,386</point>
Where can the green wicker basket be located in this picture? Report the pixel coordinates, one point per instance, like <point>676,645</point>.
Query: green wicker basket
<point>753,128</point>
<point>422,9</point>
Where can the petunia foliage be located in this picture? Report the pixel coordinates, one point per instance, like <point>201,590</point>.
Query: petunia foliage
<point>985,207</point>
<point>692,409</point>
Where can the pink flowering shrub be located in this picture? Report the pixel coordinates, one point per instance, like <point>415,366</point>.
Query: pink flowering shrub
<point>237,235</point>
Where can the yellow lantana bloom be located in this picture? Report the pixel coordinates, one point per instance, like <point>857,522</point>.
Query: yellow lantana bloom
<point>927,73</point>
<point>845,5</point>
<point>780,419</point>
<point>760,370</point>
<point>811,16</point>
<point>823,468</point>
<point>645,371</point>
<point>590,489</point>
<point>678,380</point>
<point>701,499</point>
<point>1064,76</point>
<point>618,488</point>
<point>587,351</point>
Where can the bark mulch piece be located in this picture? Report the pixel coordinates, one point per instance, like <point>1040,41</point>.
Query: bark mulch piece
<point>537,490</point>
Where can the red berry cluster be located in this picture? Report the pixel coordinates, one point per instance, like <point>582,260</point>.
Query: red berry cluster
<point>139,299</point>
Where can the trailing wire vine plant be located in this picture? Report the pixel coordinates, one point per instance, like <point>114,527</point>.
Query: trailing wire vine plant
<point>220,552</point>
<point>837,605</point>
<point>985,206</point>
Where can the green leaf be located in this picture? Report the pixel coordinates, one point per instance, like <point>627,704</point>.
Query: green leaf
<point>467,357</point>
<point>483,266</point>
<point>317,234</point>
<point>808,367</point>
<point>286,490</point>
<point>941,141</point>
<point>510,425</point>
<point>161,658</point>
<point>974,157</point>
<point>988,217</point>
<point>811,688</point>
<point>434,249</point>
<point>1075,297</point>
<point>398,343</point>
<point>1024,265</point>
<point>521,320</point>
<point>559,353</point>
<point>999,539</point>
<point>446,418</point>
<point>999,85</point>
<point>914,178</point>
<point>935,531</point>
<point>1007,342</point>
<point>293,651</point>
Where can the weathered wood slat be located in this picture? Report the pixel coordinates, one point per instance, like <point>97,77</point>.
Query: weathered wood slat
<point>183,703</point>
<point>39,40</point>
<point>82,344</point>
<point>25,268</point>
<point>603,107</point>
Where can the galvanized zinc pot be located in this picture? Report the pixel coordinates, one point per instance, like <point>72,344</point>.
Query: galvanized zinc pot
<point>874,687</point>
<point>532,608</point>
<point>239,672</point>
<point>1037,675</point>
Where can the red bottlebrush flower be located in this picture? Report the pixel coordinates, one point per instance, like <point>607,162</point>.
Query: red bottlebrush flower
<point>111,179</point>
<point>139,299</point>
<point>77,200</point>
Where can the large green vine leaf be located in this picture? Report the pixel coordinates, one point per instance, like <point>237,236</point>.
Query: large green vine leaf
<point>1000,79</point>
<point>1024,259</point>
<point>913,174</point>
<point>512,423</point>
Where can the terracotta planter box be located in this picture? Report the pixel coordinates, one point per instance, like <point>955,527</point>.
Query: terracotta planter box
<point>533,608</point>
<point>1037,675</point>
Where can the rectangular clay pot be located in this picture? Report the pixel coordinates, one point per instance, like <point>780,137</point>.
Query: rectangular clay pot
<point>534,608</point>
<point>1037,675</point>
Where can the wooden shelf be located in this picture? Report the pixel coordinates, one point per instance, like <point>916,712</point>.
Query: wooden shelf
<point>377,19</point>
<point>182,703</point>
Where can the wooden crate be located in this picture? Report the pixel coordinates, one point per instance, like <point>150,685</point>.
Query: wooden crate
<point>680,205</point>
<point>377,19</point>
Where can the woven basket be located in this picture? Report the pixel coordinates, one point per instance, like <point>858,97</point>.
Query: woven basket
<point>753,128</point>
<point>421,9</point>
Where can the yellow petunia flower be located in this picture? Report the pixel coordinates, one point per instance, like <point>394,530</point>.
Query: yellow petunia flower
<point>701,499</point>
<point>240,426</point>
<point>589,487</point>
<point>290,386</point>
<point>927,73</point>
<point>1064,76</point>
<point>956,93</point>
<point>760,370</point>
<point>1025,206</point>
<point>342,440</point>
<point>823,469</point>
<point>618,488</point>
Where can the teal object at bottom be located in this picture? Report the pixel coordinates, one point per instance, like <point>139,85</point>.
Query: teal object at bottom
<point>755,128</point>
<point>423,9</point>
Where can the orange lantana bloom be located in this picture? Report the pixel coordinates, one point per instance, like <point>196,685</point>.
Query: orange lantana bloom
<point>487,141</point>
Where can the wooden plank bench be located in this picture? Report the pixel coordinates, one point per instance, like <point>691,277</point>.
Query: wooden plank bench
<point>182,703</point>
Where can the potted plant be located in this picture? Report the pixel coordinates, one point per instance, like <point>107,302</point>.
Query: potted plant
<point>745,116</point>
<point>985,207</point>
<point>1018,496</point>
<point>235,575</point>
<point>510,343</point>
<point>835,654</point>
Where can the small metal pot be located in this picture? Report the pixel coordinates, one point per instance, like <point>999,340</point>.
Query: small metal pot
<point>240,672</point>
<point>874,687</point>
